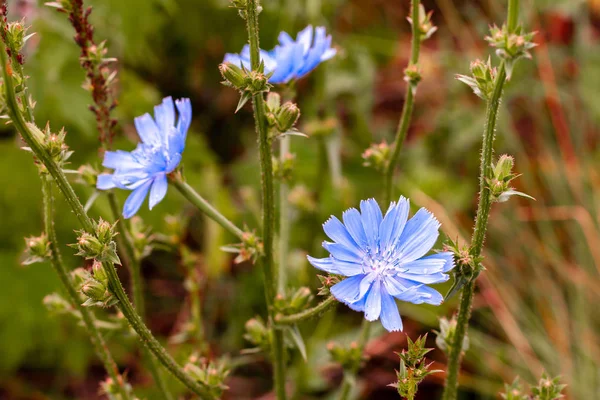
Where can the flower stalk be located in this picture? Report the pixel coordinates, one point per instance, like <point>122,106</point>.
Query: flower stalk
<point>481,220</point>
<point>306,314</point>
<point>268,204</point>
<point>115,284</point>
<point>87,317</point>
<point>407,109</point>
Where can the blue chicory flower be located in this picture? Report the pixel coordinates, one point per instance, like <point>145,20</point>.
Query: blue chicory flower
<point>290,59</point>
<point>145,169</point>
<point>384,258</point>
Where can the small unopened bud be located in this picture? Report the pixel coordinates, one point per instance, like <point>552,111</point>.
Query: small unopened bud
<point>412,74</point>
<point>287,117</point>
<point>37,249</point>
<point>300,299</point>
<point>56,304</point>
<point>99,272</point>
<point>445,337</point>
<point>256,332</point>
<point>233,75</point>
<point>273,101</point>
<point>94,290</point>
<point>504,167</point>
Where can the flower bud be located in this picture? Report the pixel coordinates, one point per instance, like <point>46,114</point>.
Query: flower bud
<point>273,102</point>
<point>94,289</point>
<point>99,272</point>
<point>257,333</point>
<point>234,76</point>
<point>349,357</point>
<point>445,337</point>
<point>412,75</point>
<point>56,304</point>
<point>300,299</point>
<point>37,249</point>
<point>503,168</point>
<point>105,231</point>
<point>283,169</point>
<point>287,117</point>
<point>211,374</point>
<point>88,175</point>
<point>80,276</point>
<point>377,156</point>
<point>258,83</point>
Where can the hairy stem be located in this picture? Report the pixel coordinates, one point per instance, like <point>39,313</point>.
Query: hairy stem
<point>189,193</point>
<point>306,314</point>
<point>407,108</point>
<point>284,218</point>
<point>350,376</point>
<point>132,261</point>
<point>61,181</point>
<point>86,315</point>
<point>268,204</point>
<point>481,220</point>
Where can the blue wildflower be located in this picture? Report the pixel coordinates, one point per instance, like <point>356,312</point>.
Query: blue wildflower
<point>384,258</point>
<point>145,169</point>
<point>290,59</point>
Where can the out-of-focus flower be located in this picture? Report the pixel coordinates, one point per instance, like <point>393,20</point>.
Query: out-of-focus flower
<point>383,257</point>
<point>145,169</point>
<point>291,59</point>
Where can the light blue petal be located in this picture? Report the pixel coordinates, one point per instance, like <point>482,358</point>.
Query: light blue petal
<point>347,268</point>
<point>324,264</point>
<point>339,234</point>
<point>367,283</point>
<point>393,224</point>
<point>305,38</point>
<point>164,114</point>
<point>105,182</point>
<point>371,218</point>
<point>359,305</point>
<point>158,191</point>
<point>347,291</point>
<point>395,287</point>
<point>423,278</point>
<point>285,39</point>
<point>135,199</point>
<point>120,159</point>
<point>419,236</point>
<point>328,54</point>
<point>448,258</point>
<point>352,221</point>
<point>425,265</point>
<point>313,56</point>
<point>147,130</point>
<point>390,316</point>
<point>173,163</point>
<point>429,296</point>
<point>341,252</point>
<point>373,304</point>
<point>184,106</point>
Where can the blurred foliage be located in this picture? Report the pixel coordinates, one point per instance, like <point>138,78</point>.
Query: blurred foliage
<point>536,306</point>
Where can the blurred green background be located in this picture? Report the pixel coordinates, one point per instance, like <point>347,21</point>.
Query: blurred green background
<point>536,308</point>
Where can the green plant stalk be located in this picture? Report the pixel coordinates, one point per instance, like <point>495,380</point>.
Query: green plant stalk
<point>86,315</point>
<point>306,314</point>
<point>268,204</point>
<point>481,222</point>
<point>284,219</point>
<point>189,193</point>
<point>407,108</point>
<point>61,181</point>
<point>130,259</point>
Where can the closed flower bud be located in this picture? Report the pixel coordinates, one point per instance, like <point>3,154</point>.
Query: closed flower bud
<point>88,175</point>
<point>300,299</point>
<point>287,117</point>
<point>273,102</point>
<point>95,290</point>
<point>503,168</point>
<point>445,337</point>
<point>56,304</point>
<point>105,231</point>
<point>80,276</point>
<point>377,156</point>
<point>37,249</point>
<point>234,76</point>
<point>257,333</point>
<point>348,357</point>
<point>99,272</point>
<point>258,83</point>
<point>412,75</point>
<point>211,374</point>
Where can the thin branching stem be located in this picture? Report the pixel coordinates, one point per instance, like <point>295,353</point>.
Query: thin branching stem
<point>268,203</point>
<point>306,314</point>
<point>407,108</point>
<point>88,318</point>
<point>115,284</point>
<point>481,220</point>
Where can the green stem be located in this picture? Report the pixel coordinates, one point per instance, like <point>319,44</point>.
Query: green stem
<point>88,319</point>
<point>350,376</point>
<point>203,205</point>
<point>61,181</point>
<point>265,152</point>
<point>407,108</point>
<point>284,218</point>
<point>306,314</point>
<point>132,261</point>
<point>481,222</point>
<point>513,15</point>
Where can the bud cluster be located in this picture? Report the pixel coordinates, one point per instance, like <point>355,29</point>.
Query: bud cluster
<point>282,169</point>
<point>467,266</point>
<point>426,27</point>
<point>327,281</point>
<point>546,389</point>
<point>53,143</point>
<point>413,368</point>
<point>281,117</point>
<point>293,302</point>
<point>101,246</point>
<point>113,389</point>
<point>211,374</point>
<point>510,46</point>
<point>445,337</point>
<point>349,357</point>
<point>37,249</point>
<point>377,156</point>
<point>95,288</point>
<point>482,79</point>
<point>248,83</point>
<point>250,249</point>
<point>499,184</point>
<point>259,335</point>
